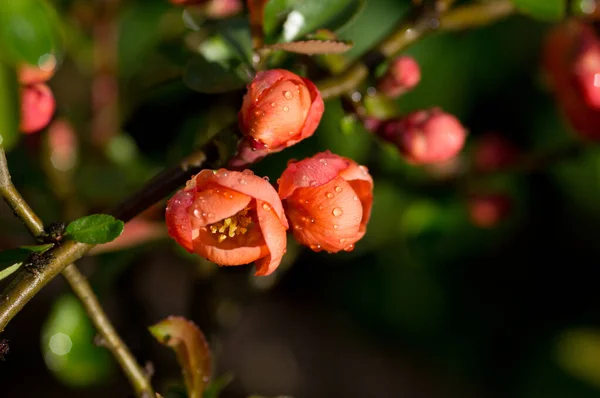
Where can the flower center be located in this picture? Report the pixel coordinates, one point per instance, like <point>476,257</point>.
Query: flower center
<point>231,226</point>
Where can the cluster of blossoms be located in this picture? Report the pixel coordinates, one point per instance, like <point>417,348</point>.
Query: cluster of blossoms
<point>425,136</point>
<point>37,100</point>
<point>234,217</point>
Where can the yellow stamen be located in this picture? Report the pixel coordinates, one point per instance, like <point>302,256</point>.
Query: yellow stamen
<point>232,226</point>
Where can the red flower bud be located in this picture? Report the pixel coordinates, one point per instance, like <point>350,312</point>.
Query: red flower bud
<point>230,218</point>
<point>494,152</point>
<point>560,47</point>
<point>62,144</point>
<point>37,107</point>
<point>486,211</point>
<point>402,75</point>
<point>279,110</point>
<point>586,69</point>
<point>328,201</point>
<point>32,74</point>
<point>427,136</point>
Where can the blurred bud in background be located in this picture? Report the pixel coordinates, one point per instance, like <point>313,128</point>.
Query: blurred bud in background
<point>37,107</point>
<point>488,210</point>
<point>402,75</point>
<point>493,152</point>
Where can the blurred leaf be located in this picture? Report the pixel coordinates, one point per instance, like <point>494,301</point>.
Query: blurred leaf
<point>190,345</point>
<point>9,257</point>
<point>138,35</point>
<point>95,229</point>
<point>9,107</point>
<point>213,390</point>
<point>547,10</point>
<point>578,353</point>
<point>312,46</point>
<point>29,29</point>
<point>67,344</point>
<point>211,77</point>
<point>306,16</point>
<point>236,32</point>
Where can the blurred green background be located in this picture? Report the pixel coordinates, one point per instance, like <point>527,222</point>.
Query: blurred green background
<point>427,305</point>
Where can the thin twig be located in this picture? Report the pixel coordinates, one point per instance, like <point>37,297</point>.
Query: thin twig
<point>76,280</point>
<point>409,32</point>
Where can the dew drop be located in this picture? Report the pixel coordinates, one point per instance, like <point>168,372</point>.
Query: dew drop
<point>323,162</point>
<point>329,195</point>
<point>349,248</point>
<point>312,220</point>
<point>261,218</point>
<point>210,215</point>
<point>250,172</point>
<point>342,240</point>
<point>337,212</point>
<point>306,202</point>
<point>286,108</point>
<point>203,214</point>
<point>197,213</point>
<point>314,184</point>
<point>321,207</point>
<point>316,248</point>
<point>291,133</point>
<point>297,227</point>
<point>243,182</point>
<point>266,178</point>
<point>273,104</point>
<point>225,174</point>
<point>287,95</point>
<point>266,207</point>
<point>335,226</point>
<point>338,189</point>
<point>355,197</point>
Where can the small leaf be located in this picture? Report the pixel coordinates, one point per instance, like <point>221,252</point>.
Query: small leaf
<point>306,16</point>
<point>191,349</point>
<point>38,248</point>
<point>9,270</point>
<point>9,257</point>
<point>95,229</point>
<point>212,77</point>
<point>214,388</point>
<point>312,46</point>
<point>547,10</point>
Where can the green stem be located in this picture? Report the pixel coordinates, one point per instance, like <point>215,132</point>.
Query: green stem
<point>28,283</point>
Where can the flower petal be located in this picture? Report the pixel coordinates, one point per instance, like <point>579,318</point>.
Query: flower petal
<point>215,204</point>
<point>177,217</point>
<point>315,112</point>
<point>325,217</point>
<point>273,231</point>
<point>242,249</point>
<point>361,181</point>
<point>246,183</point>
<point>311,172</point>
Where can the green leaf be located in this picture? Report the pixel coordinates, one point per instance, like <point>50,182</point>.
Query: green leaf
<point>236,32</point>
<point>11,260</point>
<point>67,344</point>
<point>95,229</point>
<point>9,270</point>
<point>29,29</point>
<point>212,77</point>
<point>546,10</point>
<point>299,17</point>
<point>214,388</point>
<point>191,348</point>
<point>9,107</point>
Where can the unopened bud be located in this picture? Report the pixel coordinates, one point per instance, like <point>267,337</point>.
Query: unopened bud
<point>486,211</point>
<point>402,75</point>
<point>37,107</point>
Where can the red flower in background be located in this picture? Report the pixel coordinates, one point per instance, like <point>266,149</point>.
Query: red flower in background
<point>230,218</point>
<point>37,107</point>
<point>402,75</point>
<point>328,201</point>
<point>427,136</point>
<point>279,110</point>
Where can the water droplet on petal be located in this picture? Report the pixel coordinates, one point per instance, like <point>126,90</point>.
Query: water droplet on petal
<point>329,195</point>
<point>349,248</point>
<point>266,178</point>
<point>337,212</point>
<point>321,207</point>
<point>203,214</point>
<point>314,184</point>
<point>355,197</point>
<point>323,162</point>
<point>266,206</point>
<point>342,240</point>
<point>210,215</point>
<point>288,95</point>
<point>248,172</point>
<point>291,133</point>
<point>286,108</point>
<point>335,226</point>
<point>316,248</point>
<point>297,227</point>
<point>273,104</point>
<point>197,213</point>
<point>243,182</point>
<point>338,189</point>
<point>312,220</point>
